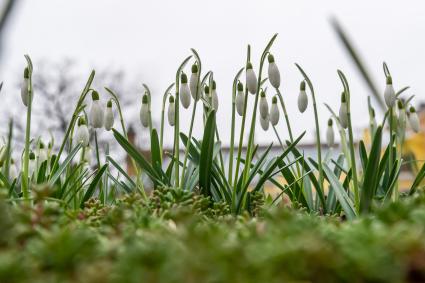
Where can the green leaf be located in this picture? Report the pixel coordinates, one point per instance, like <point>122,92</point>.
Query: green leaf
<point>206,158</point>
<point>90,191</point>
<point>64,164</point>
<point>419,177</point>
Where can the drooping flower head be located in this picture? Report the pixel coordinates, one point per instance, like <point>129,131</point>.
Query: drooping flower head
<point>273,72</point>
<point>302,98</point>
<point>96,112</point>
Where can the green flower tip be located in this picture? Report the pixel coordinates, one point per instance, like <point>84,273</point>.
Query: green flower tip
<point>109,103</point>
<point>262,93</point>
<point>412,109</point>
<point>95,95</point>
<point>343,98</point>
<point>240,86</point>
<point>171,99</point>
<point>81,121</point>
<point>49,145</point>
<point>32,155</point>
<point>183,78</point>
<point>248,65</point>
<point>270,58</point>
<point>302,86</point>
<point>206,89</point>
<point>41,146</point>
<point>194,68</point>
<point>145,99</point>
<point>274,100</point>
<point>389,80</point>
<point>26,73</point>
<point>399,104</point>
<point>214,85</point>
<point>373,112</point>
<point>330,122</point>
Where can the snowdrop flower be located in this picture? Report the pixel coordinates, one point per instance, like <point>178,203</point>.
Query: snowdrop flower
<point>82,135</point>
<point>193,82</point>
<point>240,99</point>
<point>274,112</point>
<point>251,79</point>
<point>86,155</point>
<point>413,119</point>
<point>184,91</point>
<point>343,115</point>
<point>144,111</point>
<point>401,113</point>
<point>171,111</point>
<point>265,122</point>
<point>96,111</point>
<point>389,93</point>
<point>42,153</point>
<point>264,106</point>
<point>302,98</point>
<point>24,87</point>
<point>274,74</point>
<point>330,135</point>
<point>214,96</point>
<point>13,170</point>
<point>109,116</point>
<point>208,96</point>
<point>32,163</point>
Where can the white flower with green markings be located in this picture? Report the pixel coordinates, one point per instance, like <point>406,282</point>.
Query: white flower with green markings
<point>251,79</point>
<point>13,170</point>
<point>330,135</point>
<point>240,99</point>
<point>82,135</point>
<point>144,111</point>
<point>214,96</point>
<point>389,93</point>
<point>413,119</point>
<point>273,72</point>
<point>109,116</point>
<point>24,87</point>
<point>96,112</point>
<point>171,111</point>
<point>184,91</point>
<point>193,82</point>
<point>302,98</point>
<point>32,164</point>
<point>274,112</point>
<point>343,115</point>
<point>265,122</point>
<point>264,106</point>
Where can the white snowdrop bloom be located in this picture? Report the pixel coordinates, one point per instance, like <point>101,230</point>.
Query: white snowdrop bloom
<point>274,112</point>
<point>214,97</point>
<point>251,79</point>
<point>389,93</point>
<point>109,116</point>
<point>401,113</point>
<point>96,112</point>
<point>273,71</point>
<point>184,91</point>
<point>343,115</point>
<point>171,111</point>
<point>13,170</point>
<point>302,98</point>
<point>144,111</point>
<point>32,164</point>
<point>413,119</point>
<point>264,106</point>
<point>86,155</point>
<point>82,135</point>
<point>193,82</point>
<point>24,87</point>
<point>330,135</point>
<point>240,99</point>
<point>265,122</point>
<point>41,153</point>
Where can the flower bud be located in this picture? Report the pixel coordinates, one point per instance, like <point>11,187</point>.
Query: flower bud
<point>82,135</point>
<point>96,112</point>
<point>109,116</point>
<point>31,163</point>
<point>389,93</point>
<point>265,122</point>
<point>401,113</point>
<point>214,97</point>
<point>240,99</point>
<point>343,115</point>
<point>330,135</point>
<point>24,87</point>
<point>144,111</point>
<point>184,91</point>
<point>274,112</point>
<point>171,111</point>
<point>264,106</point>
<point>193,82</point>
<point>13,170</point>
<point>251,79</point>
<point>413,119</point>
<point>302,98</point>
<point>41,154</point>
<point>274,74</point>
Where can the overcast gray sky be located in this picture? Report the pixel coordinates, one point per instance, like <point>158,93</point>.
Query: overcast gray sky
<point>149,39</point>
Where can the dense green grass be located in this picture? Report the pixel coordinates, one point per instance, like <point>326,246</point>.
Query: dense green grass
<point>178,237</point>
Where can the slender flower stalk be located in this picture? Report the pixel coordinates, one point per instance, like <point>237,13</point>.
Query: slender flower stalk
<point>25,174</point>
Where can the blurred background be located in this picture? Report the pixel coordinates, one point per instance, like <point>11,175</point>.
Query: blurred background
<point>133,42</point>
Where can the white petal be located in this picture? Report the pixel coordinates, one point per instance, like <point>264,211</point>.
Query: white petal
<point>330,136</point>
<point>251,81</point>
<point>343,118</point>
<point>96,114</point>
<point>171,112</point>
<point>302,101</point>
<point>264,107</point>
<point>185,95</point>
<point>389,95</point>
<point>214,100</point>
<point>24,92</point>
<point>240,101</point>
<point>82,135</point>
<point>264,123</point>
<point>274,114</point>
<point>144,115</point>
<point>414,122</point>
<point>274,75</point>
<point>193,82</point>
<point>109,118</point>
